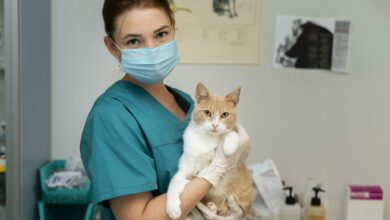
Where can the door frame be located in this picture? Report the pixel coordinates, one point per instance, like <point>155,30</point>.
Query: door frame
<point>12,111</point>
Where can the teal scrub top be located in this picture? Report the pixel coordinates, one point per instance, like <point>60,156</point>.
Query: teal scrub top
<point>131,143</point>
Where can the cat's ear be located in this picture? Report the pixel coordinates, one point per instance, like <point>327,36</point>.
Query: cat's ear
<point>234,97</point>
<point>201,93</point>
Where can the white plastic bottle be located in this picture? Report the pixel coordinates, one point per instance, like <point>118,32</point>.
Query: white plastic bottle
<point>291,209</point>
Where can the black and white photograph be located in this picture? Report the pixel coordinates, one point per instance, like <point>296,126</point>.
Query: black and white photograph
<point>309,43</point>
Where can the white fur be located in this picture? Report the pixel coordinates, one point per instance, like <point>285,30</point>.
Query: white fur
<point>230,143</point>
<point>200,143</point>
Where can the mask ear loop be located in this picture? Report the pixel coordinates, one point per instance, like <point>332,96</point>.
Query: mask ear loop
<point>115,43</point>
<point>118,58</point>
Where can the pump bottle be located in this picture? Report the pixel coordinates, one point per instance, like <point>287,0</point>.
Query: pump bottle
<point>315,210</point>
<point>291,209</point>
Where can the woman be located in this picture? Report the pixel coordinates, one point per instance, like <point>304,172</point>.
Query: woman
<point>132,139</point>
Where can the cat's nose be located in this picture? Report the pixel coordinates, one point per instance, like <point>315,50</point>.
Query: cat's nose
<point>215,125</point>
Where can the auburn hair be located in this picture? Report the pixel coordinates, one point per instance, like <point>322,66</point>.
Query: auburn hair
<point>113,8</point>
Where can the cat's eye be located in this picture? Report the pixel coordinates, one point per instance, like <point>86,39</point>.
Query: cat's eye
<point>207,113</point>
<point>225,115</point>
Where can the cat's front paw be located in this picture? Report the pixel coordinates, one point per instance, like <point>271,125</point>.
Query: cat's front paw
<point>229,149</point>
<point>230,144</point>
<point>173,208</point>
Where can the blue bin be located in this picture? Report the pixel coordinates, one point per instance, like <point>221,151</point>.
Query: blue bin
<point>49,211</point>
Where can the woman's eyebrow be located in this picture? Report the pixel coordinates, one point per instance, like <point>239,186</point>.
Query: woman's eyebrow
<point>131,35</point>
<point>140,35</point>
<point>161,28</point>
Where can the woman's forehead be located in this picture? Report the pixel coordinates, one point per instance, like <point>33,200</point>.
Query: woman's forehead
<point>141,21</point>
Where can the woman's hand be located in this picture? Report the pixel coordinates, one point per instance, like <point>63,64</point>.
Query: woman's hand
<point>222,163</point>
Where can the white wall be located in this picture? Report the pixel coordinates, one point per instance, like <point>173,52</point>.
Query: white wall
<point>329,126</point>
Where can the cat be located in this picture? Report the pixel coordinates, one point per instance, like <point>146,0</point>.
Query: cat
<point>213,122</point>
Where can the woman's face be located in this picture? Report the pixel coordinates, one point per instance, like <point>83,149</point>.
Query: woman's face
<point>139,28</point>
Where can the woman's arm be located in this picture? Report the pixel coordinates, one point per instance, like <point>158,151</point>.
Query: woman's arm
<point>144,206</point>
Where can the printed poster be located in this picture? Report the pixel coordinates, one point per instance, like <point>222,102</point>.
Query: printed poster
<point>218,31</point>
<point>312,43</point>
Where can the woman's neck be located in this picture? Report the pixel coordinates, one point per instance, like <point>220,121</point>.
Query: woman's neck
<point>159,91</point>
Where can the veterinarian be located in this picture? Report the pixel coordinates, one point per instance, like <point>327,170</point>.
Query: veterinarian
<point>132,139</point>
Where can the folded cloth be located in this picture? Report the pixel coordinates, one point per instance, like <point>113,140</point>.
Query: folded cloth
<point>66,179</point>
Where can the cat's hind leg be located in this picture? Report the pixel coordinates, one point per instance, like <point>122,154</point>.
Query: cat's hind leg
<point>231,142</point>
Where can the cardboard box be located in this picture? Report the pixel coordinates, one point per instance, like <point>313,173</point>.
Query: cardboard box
<point>364,203</point>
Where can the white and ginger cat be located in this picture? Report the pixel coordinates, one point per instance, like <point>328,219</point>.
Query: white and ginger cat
<point>213,120</point>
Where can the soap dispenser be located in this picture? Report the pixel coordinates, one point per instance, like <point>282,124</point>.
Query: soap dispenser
<point>315,210</point>
<point>291,209</point>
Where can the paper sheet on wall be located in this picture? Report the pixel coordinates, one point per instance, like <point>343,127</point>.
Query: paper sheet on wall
<point>218,31</point>
<point>312,43</point>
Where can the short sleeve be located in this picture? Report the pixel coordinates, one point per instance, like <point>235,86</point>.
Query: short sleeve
<point>114,153</point>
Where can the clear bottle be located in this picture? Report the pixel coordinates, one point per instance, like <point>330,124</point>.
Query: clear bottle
<point>315,210</point>
<point>291,209</point>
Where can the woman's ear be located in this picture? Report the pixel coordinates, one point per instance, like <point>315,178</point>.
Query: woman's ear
<point>114,50</point>
<point>174,23</point>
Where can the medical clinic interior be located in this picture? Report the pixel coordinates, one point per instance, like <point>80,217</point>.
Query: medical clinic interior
<point>243,109</point>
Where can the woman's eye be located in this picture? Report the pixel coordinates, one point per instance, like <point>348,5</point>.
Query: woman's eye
<point>161,34</point>
<point>207,113</point>
<point>225,115</point>
<point>133,42</point>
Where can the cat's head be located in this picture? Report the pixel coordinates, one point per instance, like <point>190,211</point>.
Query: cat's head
<point>214,114</point>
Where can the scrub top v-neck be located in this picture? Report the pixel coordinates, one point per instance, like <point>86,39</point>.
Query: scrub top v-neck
<point>131,143</point>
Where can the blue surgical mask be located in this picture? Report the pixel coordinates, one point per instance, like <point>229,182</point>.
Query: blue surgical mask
<point>150,65</point>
